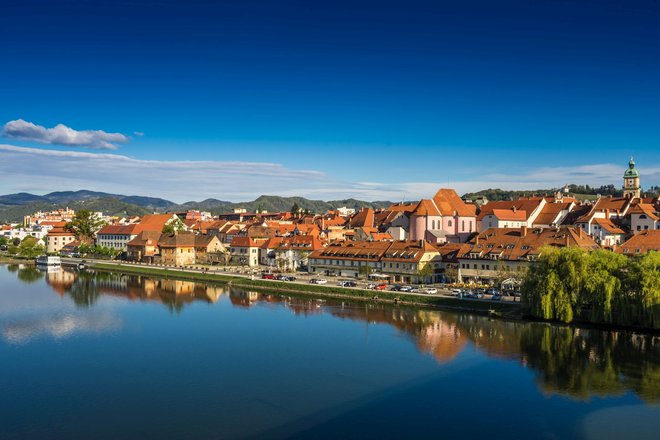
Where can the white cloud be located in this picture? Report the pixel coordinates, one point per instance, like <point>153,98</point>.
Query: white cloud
<point>62,135</point>
<point>40,171</point>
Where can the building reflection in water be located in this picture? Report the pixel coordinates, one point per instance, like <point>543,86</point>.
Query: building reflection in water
<point>581,363</point>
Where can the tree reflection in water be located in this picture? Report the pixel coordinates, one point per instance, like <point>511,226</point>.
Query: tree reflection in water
<point>29,274</point>
<point>581,363</point>
<point>84,291</point>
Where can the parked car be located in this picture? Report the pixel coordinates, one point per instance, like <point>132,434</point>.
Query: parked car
<point>496,297</point>
<point>268,276</point>
<point>431,290</point>
<point>414,290</point>
<point>318,281</point>
<point>395,288</point>
<point>347,283</point>
<point>382,286</point>
<point>405,289</point>
<point>371,286</point>
<point>492,291</point>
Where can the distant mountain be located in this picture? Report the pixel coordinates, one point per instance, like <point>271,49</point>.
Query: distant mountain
<point>64,197</point>
<point>14,207</point>
<point>19,199</point>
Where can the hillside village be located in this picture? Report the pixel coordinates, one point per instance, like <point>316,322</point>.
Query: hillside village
<point>442,238</point>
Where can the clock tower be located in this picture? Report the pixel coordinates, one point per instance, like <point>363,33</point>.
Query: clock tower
<point>631,186</point>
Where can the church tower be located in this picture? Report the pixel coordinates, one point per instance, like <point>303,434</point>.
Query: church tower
<point>631,187</point>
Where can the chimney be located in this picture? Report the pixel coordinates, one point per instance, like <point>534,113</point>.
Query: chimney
<point>523,231</point>
<point>514,209</point>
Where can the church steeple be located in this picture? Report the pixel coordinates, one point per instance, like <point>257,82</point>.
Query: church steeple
<point>631,187</point>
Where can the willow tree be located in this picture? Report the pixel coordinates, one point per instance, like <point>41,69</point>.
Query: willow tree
<point>603,286</point>
<point>644,283</point>
<point>552,287</point>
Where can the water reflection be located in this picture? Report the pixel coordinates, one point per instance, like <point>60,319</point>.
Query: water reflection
<point>581,363</point>
<point>58,326</point>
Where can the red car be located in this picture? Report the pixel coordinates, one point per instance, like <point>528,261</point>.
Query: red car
<point>268,276</point>
<point>381,287</point>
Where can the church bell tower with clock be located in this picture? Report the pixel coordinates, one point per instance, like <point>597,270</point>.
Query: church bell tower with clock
<point>631,187</point>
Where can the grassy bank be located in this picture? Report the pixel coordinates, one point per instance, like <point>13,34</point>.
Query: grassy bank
<point>165,273</point>
<point>7,259</point>
<point>503,309</point>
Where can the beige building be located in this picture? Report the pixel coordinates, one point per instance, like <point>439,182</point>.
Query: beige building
<point>57,238</point>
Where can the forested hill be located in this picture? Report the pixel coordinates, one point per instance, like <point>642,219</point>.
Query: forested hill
<point>14,206</point>
<point>581,190</point>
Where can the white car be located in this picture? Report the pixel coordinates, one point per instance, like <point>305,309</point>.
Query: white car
<point>431,290</point>
<point>318,281</point>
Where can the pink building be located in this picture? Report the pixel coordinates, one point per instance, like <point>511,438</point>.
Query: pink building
<point>444,218</point>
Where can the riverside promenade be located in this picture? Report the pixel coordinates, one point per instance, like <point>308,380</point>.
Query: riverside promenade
<point>251,279</point>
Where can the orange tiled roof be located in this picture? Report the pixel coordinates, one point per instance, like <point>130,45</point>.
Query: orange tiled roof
<point>550,212</point>
<point>364,217</point>
<point>527,204</point>
<point>301,242</point>
<point>645,208</point>
<point>408,251</point>
<point>427,207</point>
<point>381,236</point>
<point>522,243</point>
<point>607,225</point>
<point>641,243</point>
<point>511,215</point>
<point>246,242</point>
<point>449,202</point>
<point>145,238</point>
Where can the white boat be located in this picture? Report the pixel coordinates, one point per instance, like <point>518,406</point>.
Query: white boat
<point>46,260</point>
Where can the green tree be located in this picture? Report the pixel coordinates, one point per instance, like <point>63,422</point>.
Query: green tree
<point>425,271</point>
<point>30,247</point>
<point>85,224</point>
<point>365,270</point>
<point>295,209</point>
<point>174,226</point>
<point>4,241</point>
<point>451,272</point>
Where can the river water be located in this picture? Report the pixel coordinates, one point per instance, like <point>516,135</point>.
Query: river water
<point>111,356</point>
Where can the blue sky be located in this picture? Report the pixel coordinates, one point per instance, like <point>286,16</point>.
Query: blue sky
<point>387,99</point>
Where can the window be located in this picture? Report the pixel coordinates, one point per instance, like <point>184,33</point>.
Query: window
<point>449,223</point>
<point>463,225</point>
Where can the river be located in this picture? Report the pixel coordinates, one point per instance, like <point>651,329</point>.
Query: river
<point>111,356</point>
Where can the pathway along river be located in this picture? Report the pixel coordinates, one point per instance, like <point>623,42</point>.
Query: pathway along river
<point>109,356</point>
